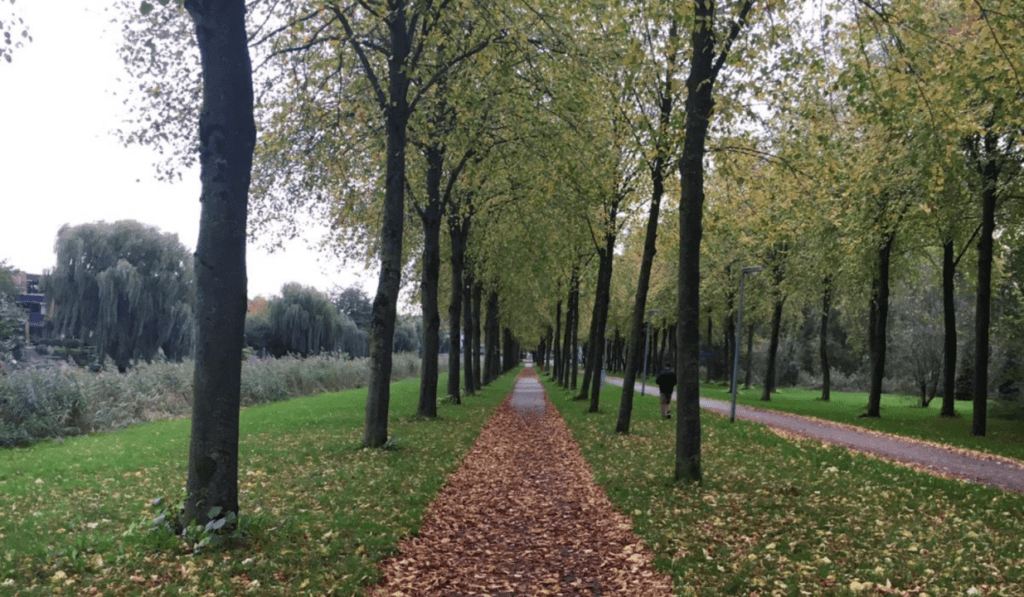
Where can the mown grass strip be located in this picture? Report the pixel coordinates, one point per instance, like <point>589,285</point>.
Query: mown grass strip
<point>901,415</point>
<point>778,517</point>
<point>318,511</point>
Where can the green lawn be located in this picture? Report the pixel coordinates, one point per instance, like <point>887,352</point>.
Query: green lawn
<point>778,517</point>
<point>901,415</point>
<point>318,511</point>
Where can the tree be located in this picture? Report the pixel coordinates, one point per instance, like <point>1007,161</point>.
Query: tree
<point>304,321</point>
<point>124,288</point>
<point>227,137</point>
<point>709,53</point>
<point>12,316</point>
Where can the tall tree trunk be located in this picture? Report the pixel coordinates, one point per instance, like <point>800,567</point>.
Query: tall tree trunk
<point>457,234</point>
<point>470,366</point>
<point>658,166</point>
<point>382,321</point>
<point>430,216</point>
<point>773,351</point>
<point>491,360</point>
<point>750,356</point>
<point>826,369</point>
<point>566,365</point>
<point>574,353</point>
<point>708,348</point>
<point>880,309</point>
<point>704,69</point>
<point>983,305</point>
<point>590,348</point>
<point>949,338</point>
<point>227,134</point>
<point>601,302</point>
<point>478,294</point>
<point>557,366</point>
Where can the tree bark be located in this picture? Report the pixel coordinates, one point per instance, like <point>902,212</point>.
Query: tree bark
<point>704,69</point>
<point>601,302</point>
<point>826,369</point>
<point>880,309</point>
<point>950,336</point>
<point>382,320</point>
<point>750,355</point>
<point>557,364</point>
<point>467,317</point>
<point>575,349</point>
<point>478,295</point>
<point>983,305</point>
<point>430,216</point>
<point>773,351</point>
<point>227,137</point>
<point>457,236</point>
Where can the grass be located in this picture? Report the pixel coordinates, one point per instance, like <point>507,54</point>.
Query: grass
<point>901,415</point>
<point>318,512</point>
<point>795,518</point>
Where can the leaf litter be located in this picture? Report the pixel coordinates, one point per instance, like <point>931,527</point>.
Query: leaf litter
<point>523,516</point>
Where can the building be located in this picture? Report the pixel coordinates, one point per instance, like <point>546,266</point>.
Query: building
<point>33,301</point>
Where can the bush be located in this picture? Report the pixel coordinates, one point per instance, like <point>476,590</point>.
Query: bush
<point>58,401</point>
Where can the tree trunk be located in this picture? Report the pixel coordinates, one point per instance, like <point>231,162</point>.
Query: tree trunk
<point>880,308</point>
<point>227,134</point>
<point>382,321</point>
<point>478,294</point>
<point>750,356</point>
<point>949,338</point>
<point>826,369</point>
<point>708,348</point>
<point>457,235</point>
<point>467,316</point>
<point>773,351</point>
<point>430,216</point>
<point>601,301</point>
<point>557,365</point>
<point>575,350</point>
<point>983,306</point>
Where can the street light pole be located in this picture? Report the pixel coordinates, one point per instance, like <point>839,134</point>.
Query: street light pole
<point>752,269</point>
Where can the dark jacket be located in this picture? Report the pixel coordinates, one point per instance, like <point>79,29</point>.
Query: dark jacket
<point>666,381</point>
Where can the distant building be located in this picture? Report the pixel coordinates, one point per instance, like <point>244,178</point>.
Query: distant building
<point>33,301</point>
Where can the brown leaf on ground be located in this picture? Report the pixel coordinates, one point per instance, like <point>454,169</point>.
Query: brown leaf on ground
<point>523,516</point>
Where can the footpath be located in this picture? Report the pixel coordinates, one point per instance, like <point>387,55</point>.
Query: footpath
<point>523,516</point>
<point>937,459</point>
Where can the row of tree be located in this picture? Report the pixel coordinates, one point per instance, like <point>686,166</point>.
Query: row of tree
<point>542,140</point>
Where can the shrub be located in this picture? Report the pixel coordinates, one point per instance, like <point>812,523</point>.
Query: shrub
<point>57,400</point>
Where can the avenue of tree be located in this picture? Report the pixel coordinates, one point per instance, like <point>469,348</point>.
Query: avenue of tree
<point>592,179</point>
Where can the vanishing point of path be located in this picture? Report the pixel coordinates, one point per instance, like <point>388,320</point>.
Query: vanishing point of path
<point>523,516</point>
<point>967,465</point>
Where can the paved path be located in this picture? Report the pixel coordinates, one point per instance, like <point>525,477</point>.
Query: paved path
<point>523,516</point>
<point>940,460</point>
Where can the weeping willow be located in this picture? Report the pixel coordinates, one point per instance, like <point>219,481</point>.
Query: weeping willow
<point>124,288</point>
<point>305,321</point>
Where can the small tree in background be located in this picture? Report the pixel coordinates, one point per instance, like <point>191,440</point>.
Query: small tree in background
<point>12,316</point>
<point>124,288</point>
<point>304,321</point>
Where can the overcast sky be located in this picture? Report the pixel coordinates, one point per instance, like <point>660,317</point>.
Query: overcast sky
<point>60,163</point>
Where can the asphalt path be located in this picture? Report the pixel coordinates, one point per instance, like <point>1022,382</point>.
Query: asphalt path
<point>976,467</point>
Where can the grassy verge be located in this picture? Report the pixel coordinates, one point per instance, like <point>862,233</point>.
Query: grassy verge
<point>777,517</point>
<point>901,415</point>
<point>318,511</point>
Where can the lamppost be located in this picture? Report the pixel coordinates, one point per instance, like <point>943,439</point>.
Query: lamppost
<point>647,343</point>
<point>750,269</point>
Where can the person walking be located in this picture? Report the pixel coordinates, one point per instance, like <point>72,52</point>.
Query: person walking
<point>666,381</point>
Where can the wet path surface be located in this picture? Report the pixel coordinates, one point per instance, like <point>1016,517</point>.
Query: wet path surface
<point>941,460</point>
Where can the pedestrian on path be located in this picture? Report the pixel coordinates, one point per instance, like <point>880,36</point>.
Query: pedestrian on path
<point>666,381</point>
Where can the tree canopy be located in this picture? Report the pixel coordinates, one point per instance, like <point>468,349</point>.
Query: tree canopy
<point>124,288</point>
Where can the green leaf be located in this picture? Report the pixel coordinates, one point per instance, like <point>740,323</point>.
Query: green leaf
<point>214,512</point>
<point>145,8</point>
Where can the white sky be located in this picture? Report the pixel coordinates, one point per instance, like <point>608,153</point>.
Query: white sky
<point>60,163</point>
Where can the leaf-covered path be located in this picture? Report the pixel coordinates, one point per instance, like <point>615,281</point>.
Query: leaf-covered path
<point>523,516</point>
